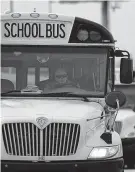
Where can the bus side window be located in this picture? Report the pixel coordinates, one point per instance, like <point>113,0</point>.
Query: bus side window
<point>44,76</point>
<point>9,73</point>
<point>31,76</point>
<point>44,73</point>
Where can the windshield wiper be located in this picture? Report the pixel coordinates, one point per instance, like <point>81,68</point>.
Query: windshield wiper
<point>12,91</point>
<point>19,91</point>
<point>51,94</point>
<point>66,94</point>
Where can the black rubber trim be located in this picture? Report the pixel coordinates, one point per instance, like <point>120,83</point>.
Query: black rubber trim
<point>66,166</point>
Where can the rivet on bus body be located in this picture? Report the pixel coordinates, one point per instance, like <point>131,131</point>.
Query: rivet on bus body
<point>53,16</point>
<point>76,165</point>
<point>35,15</point>
<point>6,166</point>
<point>16,15</point>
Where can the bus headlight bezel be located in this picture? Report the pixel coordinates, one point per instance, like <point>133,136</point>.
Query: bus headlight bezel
<point>103,152</point>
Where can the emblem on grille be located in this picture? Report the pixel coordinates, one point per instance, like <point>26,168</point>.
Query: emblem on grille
<point>41,121</point>
<point>41,158</point>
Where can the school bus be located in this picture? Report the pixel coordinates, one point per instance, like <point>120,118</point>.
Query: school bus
<point>125,121</point>
<point>58,100</point>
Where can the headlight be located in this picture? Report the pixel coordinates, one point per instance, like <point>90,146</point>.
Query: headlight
<point>103,152</point>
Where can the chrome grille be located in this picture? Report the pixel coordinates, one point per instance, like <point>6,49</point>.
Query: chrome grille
<point>60,139</point>
<point>21,139</point>
<point>118,126</point>
<point>25,139</point>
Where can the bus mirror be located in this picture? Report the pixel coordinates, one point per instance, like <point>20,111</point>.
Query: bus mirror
<point>118,53</point>
<point>133,74</point>
<point>122,53</point>
<point>134,108</point>
<point>112,97</point>
<point>126,71</point>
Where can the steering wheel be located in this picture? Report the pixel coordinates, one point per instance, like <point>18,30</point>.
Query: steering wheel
<point>66,85</point>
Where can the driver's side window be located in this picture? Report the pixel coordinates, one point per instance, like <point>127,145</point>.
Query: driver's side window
<point>8,79</point>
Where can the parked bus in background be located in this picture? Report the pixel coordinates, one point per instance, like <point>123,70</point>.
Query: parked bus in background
<point>125,121</point>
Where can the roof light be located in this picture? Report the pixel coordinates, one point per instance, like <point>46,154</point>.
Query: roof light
<point>53,16</point>
<point>95,36</point>
<point>16,15</point>
<point>82,35</point>
<point>35,15</point>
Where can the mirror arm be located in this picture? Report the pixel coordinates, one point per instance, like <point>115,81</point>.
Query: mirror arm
<point>118,105</point>
<point>116,113</point>
<point>114,118</point>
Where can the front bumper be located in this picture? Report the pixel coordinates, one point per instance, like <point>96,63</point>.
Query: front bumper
<point>129,149</point>
<point>69,166</point>
<point>128,144</point>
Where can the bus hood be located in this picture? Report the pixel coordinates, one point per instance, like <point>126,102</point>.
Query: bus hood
<point>61,107</point>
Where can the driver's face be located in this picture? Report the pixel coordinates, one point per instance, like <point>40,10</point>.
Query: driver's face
<point>61,78</point>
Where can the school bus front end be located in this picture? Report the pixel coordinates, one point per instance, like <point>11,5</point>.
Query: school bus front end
<point>65,143</point>
<point>56,73</point>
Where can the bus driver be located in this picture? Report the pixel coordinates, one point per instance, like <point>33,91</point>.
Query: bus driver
<point>61,80</point>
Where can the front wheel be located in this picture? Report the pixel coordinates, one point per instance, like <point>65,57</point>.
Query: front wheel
<point>130,165</point>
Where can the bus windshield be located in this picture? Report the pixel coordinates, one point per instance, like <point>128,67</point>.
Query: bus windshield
<point>80,70</point>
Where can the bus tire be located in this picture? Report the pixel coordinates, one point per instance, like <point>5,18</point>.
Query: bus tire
<point>130,165</point>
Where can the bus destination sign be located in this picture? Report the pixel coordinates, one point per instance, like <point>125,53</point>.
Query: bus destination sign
<point>39,30</point>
